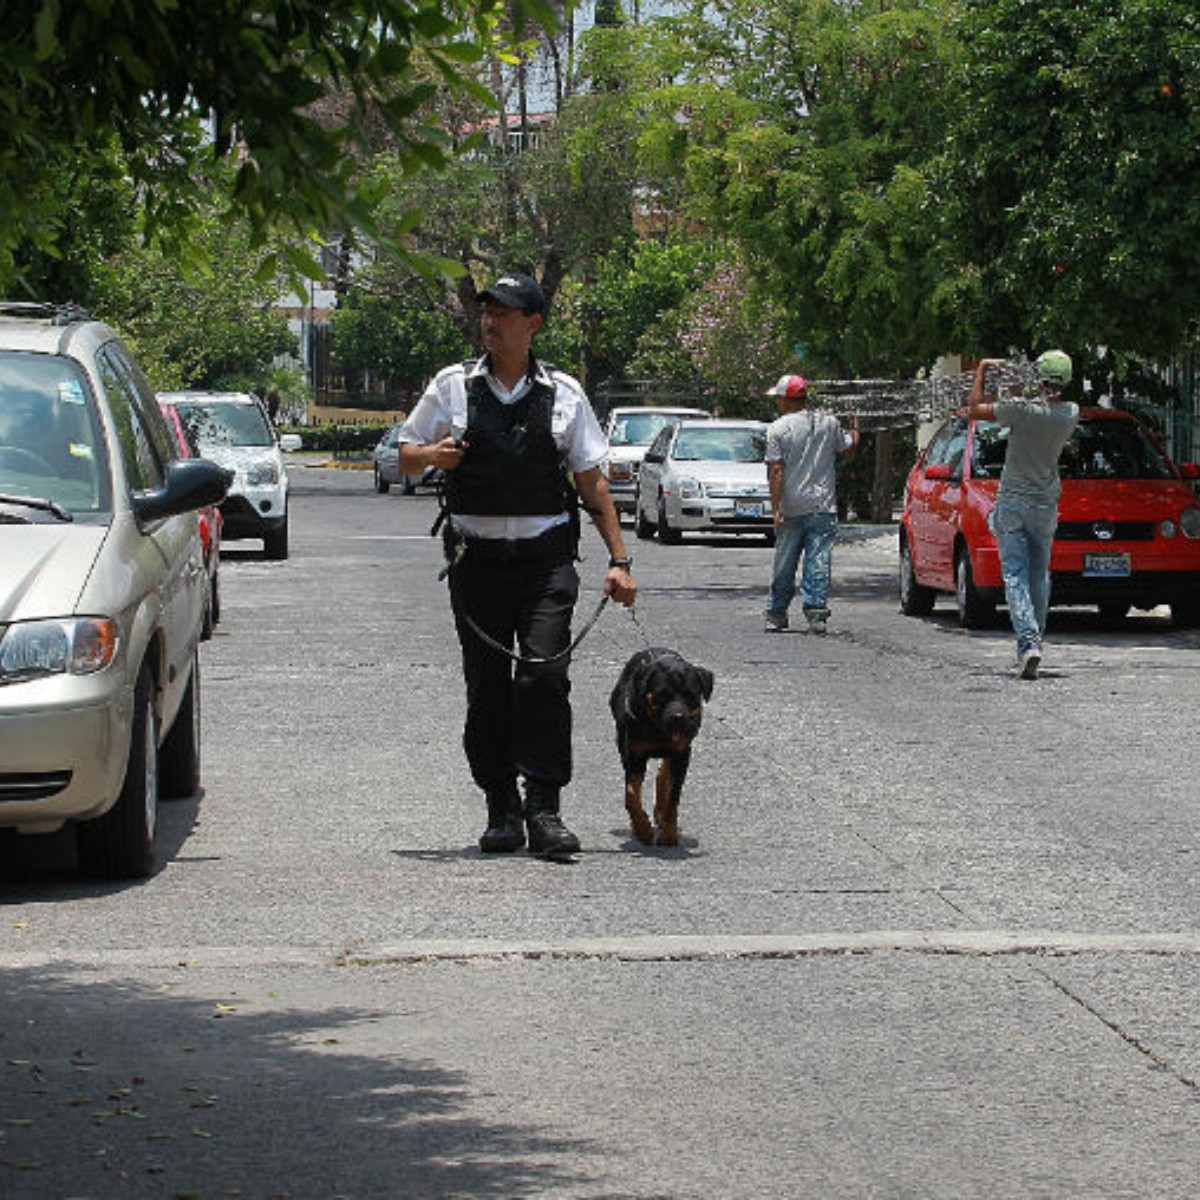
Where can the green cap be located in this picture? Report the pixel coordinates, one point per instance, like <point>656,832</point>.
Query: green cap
<point>1054,367</point>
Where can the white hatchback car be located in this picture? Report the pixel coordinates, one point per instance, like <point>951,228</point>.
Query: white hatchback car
<point>102,592</point>
<point>233,429</point>
<point>705,475</point>
<point>630,431</point>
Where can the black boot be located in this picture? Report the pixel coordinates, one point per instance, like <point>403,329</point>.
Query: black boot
<point>504,832</point>
<point>548,836</point>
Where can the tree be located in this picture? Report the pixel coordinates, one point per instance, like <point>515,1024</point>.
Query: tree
<point>188,87</point>
<point>804,129</point>
<point>1071,171</point>
<point>209,328</point>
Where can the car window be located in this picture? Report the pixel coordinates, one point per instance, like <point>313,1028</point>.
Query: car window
<point>948,445</point>
<point>721,445</point>
<point>989,450</point>
<point>1103,449</point>
<point>50,443</point>
<point>145,445</point>
<point>658,448</point>
<point>226,424</point>
<point>637,428</point>
<point>1112,450</point>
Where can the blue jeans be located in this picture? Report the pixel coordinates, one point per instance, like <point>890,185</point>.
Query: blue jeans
<point>1025,535</point>
<point>811,535</point>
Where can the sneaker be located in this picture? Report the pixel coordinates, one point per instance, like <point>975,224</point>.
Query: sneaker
<point>816,623</point>
<point>1027,668</point>
<point>774,622</point>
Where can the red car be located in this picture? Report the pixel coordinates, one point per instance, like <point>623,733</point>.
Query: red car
<point>1128,522</point>
<point>210,523</point>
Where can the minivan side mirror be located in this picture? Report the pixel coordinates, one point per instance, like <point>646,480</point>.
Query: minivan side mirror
<point>190,484</point>
<point>652,456</point>
<point>1189,470</point>
<point>940,472</point>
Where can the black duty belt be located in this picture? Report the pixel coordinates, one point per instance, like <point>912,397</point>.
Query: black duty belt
<point>554,543</point>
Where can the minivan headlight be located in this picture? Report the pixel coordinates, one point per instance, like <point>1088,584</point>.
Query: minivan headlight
<point>689,489</point>
<point>71,646</point>
<point>1189,522</point>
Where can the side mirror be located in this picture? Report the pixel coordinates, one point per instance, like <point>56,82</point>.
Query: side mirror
<point>1189,470</point>
<point>652,457</point>
<point>290,441</point>
<point>191,483</point>
<point>940,472</point>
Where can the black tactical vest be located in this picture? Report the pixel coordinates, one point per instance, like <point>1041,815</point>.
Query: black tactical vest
<point>512,466</point>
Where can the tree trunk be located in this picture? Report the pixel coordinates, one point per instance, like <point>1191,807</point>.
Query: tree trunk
<point>881,488</point>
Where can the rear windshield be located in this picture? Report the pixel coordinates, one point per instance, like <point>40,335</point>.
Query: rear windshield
<point>50,444</point>
<point>225,424</point>
<point>1098,449</point>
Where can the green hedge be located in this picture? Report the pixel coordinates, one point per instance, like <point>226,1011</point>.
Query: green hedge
<point>338,439</point>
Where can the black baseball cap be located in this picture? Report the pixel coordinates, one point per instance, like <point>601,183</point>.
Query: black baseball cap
<point>516,291</point>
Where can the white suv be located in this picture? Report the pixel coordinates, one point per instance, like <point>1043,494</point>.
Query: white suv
<point>630,431</point>
<point>102,591</point>
<point>233,429</point>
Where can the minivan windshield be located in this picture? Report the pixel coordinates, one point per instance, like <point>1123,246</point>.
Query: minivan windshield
<point>50,444</point>
<point>1098,449</point>
<point>225,423</point>
<point>638,428</point>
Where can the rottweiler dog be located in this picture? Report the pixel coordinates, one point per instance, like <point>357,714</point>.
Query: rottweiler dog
<point>657,704</point>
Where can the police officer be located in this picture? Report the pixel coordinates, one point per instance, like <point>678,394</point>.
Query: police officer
<point>507,430</point>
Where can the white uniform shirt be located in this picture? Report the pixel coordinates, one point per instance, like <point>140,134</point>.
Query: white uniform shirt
<point>442,412</point>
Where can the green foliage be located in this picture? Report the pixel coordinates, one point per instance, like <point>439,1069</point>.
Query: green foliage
<point>205,326</point>
<point>403,337</point>
<point>1072,170</point>
<point>288,94</point>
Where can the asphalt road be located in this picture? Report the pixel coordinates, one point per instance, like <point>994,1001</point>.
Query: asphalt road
<point>932,931</point>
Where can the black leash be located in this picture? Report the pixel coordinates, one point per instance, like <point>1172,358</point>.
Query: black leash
<point>527,660</point>
<point>452,559</point>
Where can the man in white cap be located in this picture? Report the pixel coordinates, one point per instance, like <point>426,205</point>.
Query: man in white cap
<point>803,449</point>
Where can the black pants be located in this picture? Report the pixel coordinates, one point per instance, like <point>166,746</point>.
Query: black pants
<point>518,714</point>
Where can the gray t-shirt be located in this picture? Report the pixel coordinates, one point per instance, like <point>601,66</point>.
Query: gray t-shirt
<point>1039,429</point>
<point>808,444</point>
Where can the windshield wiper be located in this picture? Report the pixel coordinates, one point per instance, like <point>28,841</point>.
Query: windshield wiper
<point>50,506</point>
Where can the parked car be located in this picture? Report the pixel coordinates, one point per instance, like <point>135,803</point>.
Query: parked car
<point>1128,532</point>
<point>705,475</point>
<point>386,466</point>
<point>210,520</point>
<point>102,589</point>
<point>233,429</point>
<point>630,432</point>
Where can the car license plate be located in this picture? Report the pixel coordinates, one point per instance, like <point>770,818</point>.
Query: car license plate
<point>1106,566</point>
<point>743,509</point>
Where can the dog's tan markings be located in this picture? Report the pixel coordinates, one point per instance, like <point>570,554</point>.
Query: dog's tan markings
<point>638,821</point>
<point>666,805</point>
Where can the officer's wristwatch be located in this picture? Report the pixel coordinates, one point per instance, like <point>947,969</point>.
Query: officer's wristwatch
<point>623,563</point>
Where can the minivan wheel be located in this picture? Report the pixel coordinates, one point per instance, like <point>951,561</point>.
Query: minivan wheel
<point>974,612</point>
<point>916,600</point>
<point>120,844</point>
<point>381,484</point>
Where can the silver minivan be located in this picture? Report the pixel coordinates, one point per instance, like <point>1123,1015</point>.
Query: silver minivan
<point>102,589</point>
